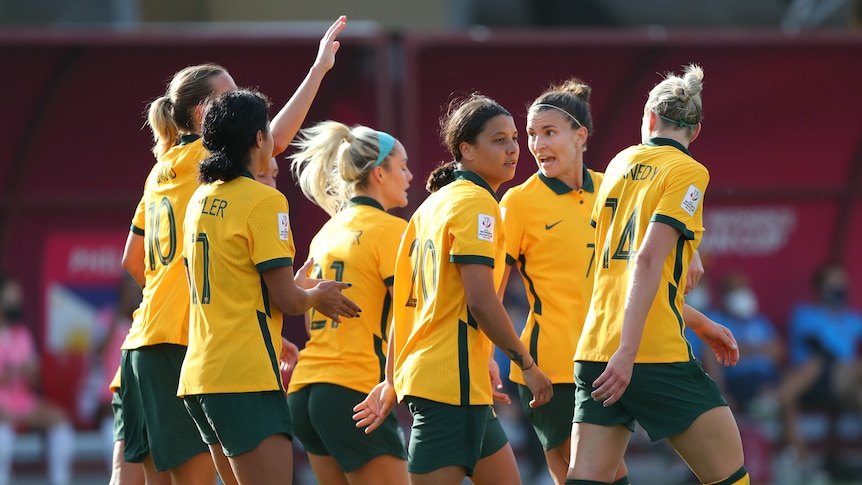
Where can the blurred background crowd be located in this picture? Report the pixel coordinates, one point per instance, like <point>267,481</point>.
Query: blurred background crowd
<point>783,143</point>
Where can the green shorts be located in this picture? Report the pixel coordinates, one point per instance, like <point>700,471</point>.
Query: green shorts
<point>445,435</point>
<point>155,421</point>
<point>322,419</point>
<point>239,421</point>
<point>664,398</point>
<point>117,408</point>
<point>552,421</point>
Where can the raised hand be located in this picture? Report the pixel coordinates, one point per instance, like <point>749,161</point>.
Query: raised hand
<point>328,45</point>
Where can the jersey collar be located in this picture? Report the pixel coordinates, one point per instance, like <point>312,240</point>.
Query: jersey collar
<point>246,173</point>
<point>658,142</point>
<point>560,188</point>
<point>476,179</point>
<point>362,200</point>
<point>188,138</point>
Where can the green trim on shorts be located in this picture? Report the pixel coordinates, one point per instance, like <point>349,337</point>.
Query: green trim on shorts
<point>240,421</point>
<point>321,416</point>
<point>664,398</point>
<point>155,421</point>
<point>551,421</point>
<point>445,435</point>
<point>495,437</point>
<point>117,411</point>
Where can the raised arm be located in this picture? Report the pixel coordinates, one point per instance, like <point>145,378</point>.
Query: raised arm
<point>289,119</point>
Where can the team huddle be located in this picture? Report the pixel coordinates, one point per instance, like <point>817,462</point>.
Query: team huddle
<point>410,311</point>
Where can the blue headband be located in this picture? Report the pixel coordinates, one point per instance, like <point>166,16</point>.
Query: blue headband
<point>386,142</point>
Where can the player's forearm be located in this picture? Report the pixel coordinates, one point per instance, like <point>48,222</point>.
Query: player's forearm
<point>289,119</point>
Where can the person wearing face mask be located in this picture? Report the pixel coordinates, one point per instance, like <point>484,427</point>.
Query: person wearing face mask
<point>19,404</point>
<point>826,368</point>
<point>754,378</point>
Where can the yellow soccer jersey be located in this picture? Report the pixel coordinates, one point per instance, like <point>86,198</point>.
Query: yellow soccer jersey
<point>654,182</point>
<point>357,245</point>
<point>234,231</point>
<point>550,238</point>
<point>162,317</point>
<point>440,353</point>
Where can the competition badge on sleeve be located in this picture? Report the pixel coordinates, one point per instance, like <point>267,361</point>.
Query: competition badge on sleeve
<point>284,226</point>
<point>486,227</point>
<point>691,200</point>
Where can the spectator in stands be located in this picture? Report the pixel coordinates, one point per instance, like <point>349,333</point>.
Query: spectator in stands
<point>20,405</point>
<point>750,385</point>
<point>825,364</point>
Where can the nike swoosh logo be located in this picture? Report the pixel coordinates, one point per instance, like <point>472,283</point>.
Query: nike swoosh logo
<point>550,226</point>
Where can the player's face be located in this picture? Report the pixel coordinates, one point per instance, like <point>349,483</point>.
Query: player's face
<point>554,143</point>
<point>396,178</point>
<point>267,177</point>
<point>494,157</point>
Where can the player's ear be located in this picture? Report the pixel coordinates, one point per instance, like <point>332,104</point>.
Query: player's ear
<point>695,132</point>
<point>259,138</point>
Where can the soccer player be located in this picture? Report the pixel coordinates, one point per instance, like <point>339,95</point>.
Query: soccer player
<point>355,174</point>
<point>635,364</point>
<point>157,428</point>
<point>239,255</point>
<point>549,238</point>
<point>446,310</point>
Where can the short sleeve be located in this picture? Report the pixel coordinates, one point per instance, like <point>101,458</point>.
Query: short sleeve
<point>513,225</point>
<point>681,202</point>
<point>475,230</point>
<point>138,221</point>
<point>270,235</point>
<point>387,247</point>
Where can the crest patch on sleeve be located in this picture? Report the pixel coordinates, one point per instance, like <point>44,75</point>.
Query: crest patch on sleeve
<point>691,200</point>
<point>486,227</point>
<point>284,226</point>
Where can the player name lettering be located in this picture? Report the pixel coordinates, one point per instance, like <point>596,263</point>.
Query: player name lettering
<point>165,174</point>
<point>640,171</point>
<point>214,208</point>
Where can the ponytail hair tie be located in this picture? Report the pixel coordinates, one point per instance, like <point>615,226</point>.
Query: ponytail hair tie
<point>680,123</point>
<point>386,142</point>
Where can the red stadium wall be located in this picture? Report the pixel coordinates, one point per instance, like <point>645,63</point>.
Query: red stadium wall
<point>74,150</point>
<point>782,133</point>
<point>781,137</point>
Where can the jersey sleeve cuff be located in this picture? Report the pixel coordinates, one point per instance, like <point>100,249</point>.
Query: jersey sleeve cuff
<point>274,263</point>
<point>678,225</point>
<point>472,259</point>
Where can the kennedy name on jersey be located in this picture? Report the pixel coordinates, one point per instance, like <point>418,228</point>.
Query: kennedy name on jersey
<point>640,171</point>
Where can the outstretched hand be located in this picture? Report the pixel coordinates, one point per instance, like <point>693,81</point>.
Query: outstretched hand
<point>332,303</point>
<point>328,45</point>
<point>372,411</point>
<point>721,340</point>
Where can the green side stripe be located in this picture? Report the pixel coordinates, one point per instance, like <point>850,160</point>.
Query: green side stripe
<point>537,303</point>
<point>534,342</point>
<point>270,350</point>
<point>463,362</point>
